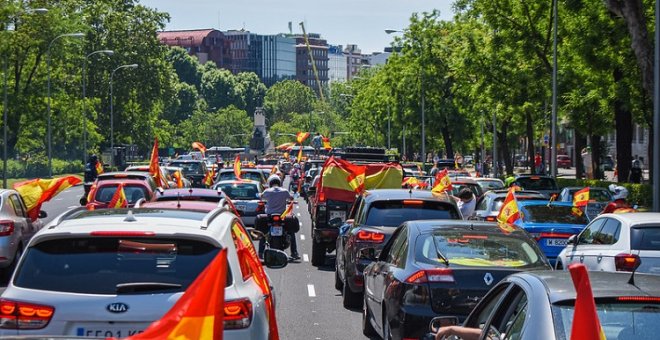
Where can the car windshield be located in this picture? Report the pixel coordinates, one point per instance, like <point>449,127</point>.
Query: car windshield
<point>499,201</point>
<point>132,193</point>
<point>251,175</point>
<point>621,321</point>
<point>552,213</point>
<point>476,248</point>
<point>188,167</point>
<point>101,265</point>
<point>240,191</point>
<point>490,185</point>
<point>598,195</point>
<point>393,213</point>
<point>537,183</point>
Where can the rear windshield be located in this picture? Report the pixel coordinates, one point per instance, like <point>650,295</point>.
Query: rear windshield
<point>188,167</point>
<point>101,265</point>
<point>646,238</point>
<point>499,201</point>
<point>132,192</point>
<point>475,188</point>
<point>251,175</point>
<point>267,161</point>
<point>537,183</point>
<point>477,249</point>
<point>490,185</point>
<point>621,321</point>
<point>243,191</point>
<point>393,213</point>
<point>552,214</point>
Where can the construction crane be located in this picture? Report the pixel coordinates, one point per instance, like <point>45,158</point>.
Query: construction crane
<point>311,59</point>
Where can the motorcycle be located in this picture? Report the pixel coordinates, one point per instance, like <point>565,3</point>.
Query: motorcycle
<point>87,188</point>
<point>276,231</point>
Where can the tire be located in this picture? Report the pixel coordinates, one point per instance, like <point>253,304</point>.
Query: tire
<point>351,300</point>
<point>367,328</point>
<point>339,285</point>
<point>318,254</point>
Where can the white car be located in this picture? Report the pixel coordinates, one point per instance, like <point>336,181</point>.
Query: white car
<point>112,272</point>
<point>616,242</point>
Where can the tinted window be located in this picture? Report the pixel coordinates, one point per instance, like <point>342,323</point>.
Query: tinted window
<point>600,195</point>
<point>552,214</point>
<point>609,233</point>
<point>189,168</point>
<point>587,235</point>
<point>394,213</point>
<point>242,191</point>
<point>98,265</point>
<point>132,192</point>
<point>16,204</point>
<point>499,201</point>
<point>251,175</point>
<point>483,204</point>
<point>475,188</point>
<point>647,238</point>
<point>397,245</point>
<point>491,185</point>
<point>537,183</point>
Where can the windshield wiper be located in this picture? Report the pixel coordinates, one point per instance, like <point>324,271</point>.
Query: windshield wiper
<point>134,287</point>
<point>442,257</point>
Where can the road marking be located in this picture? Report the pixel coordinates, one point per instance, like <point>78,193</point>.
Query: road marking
<point>298,214</point>
<point>310,291</point>
<point>58,199</point>
<point>302,237</point>
<point>305,258</point>
<point>73,206</point>
<point>300,223</point>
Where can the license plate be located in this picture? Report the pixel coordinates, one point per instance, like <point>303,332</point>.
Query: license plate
<point>557,242</point>
<point>106,333</point>
<point>276,231</point>
<point>240,207</point>
<point>337,214</point>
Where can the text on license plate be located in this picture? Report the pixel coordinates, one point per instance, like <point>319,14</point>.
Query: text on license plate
<point>557,242</point>
<point>106,333</point>
<point>240,207</point>
<point>276,231</point>
<point>337,214</point>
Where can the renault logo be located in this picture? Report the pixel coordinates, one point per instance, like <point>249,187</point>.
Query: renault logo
<point>488,278</point>
<point>117,307</point>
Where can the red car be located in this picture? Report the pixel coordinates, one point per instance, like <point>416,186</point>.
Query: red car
<point>102,191</point>
<point>563,161</point>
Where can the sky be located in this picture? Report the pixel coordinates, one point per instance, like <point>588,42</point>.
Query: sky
<point>340,22</point>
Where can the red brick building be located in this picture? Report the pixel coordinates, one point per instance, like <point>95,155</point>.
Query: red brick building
<point>206,45</point>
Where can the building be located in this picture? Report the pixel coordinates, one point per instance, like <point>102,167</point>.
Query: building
<point>304,69</point>
<point>337,64</point>
<point>205,44</point>
<point>246,51</point>
<point>355,59</point>
<point>278,58</point>
<point>379,58</point>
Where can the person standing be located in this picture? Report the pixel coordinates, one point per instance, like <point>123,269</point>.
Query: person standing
<point>635,172</point>
<point>587,162</point>
<point>316,144</point>
<point>466,202</point>
<point>538,163</point>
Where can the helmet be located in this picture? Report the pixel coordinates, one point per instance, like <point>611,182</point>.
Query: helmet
<point>297,165</point>
<point>636,163</point>
<point>274,180</point>
<point>619,191</point>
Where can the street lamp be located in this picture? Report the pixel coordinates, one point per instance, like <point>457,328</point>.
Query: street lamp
<point>84,95</point>
<point>553,146</point>
<point>112,120</point>
<point>50,144</point>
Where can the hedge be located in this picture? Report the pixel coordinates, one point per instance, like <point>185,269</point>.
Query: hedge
<point>34,168</point>
<point>640,194</point>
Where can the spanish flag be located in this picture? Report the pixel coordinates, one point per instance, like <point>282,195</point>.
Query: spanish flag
<point>442,182</point>
<point>326,143</point>
<point>581,198</point>
<point>300,153</point>
<point>119,198</point>
<point>413,182</point>
<point>341,180</point>
<point>301,137</point>
<point>99,167</point>
<point>178,179</point>
<point>200,311</point>
<point>199,146</point>
<point>237,167</point>
<point>586,325</point>
<point>209,177</point>
<point>37,191</point>
<point>509,213</point>
<point>289,210</point>
<point>154,167</point>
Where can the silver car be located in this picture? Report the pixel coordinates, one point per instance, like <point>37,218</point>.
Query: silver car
<point>246,196</point>
<point>16,229</point>
<point>490,203</point>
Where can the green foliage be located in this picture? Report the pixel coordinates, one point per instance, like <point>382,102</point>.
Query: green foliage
<point>287,97</point>
<point>38,167</point>
<point>187,67</point>
<point>223,127</point>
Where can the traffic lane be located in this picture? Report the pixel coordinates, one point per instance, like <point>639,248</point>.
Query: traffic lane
<point>65,200</point>
<point>308,305</point>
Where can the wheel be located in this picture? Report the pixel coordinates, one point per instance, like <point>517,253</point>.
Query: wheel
<point>387,330</point>
<point>351,300</point>
<point>318,254</point>
<point>367,328</point>
<point>339,285</point>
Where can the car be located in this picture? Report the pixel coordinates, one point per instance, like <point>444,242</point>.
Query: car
<point>546,185</point>
<point>169,183</point>
<point>466,182</point>
<point>246,196</point>
<point>171,170</point>
<point>541,304</point>
<point>598,198</point>
<point>564,161</point>
<point>412,169</point>
<point>551,224</point>
<point>490,203</point>
<point>193,169</point>
<point>616,242</point>
<point>489,183</point>
<point>111,273</point>
<point>16,229</point>
<point>372,221</point>
<point>134,175</point>
<point>439,267</point>
<point>252,174</point>
<point>191,194</point>
<point>102,192</point>
<point>448,164</point>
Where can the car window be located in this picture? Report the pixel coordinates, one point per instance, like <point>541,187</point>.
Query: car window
<point>645,238</point>
<point>475,188</point>
<point>250,175</point>
<point>483,204</point>
<point>397,245</point>
<point>393,213</point>
<point>491,185</point>
<point>355,207</point>
<point>100,265</point>
<point>553,213</point>
<point>17,205</point>
<point>132,192</point>
<point>242,191</point>
<point>482,312</point>
<point>536,183</point>
<point>189,168</point>
<point>399,259</point>
<point>587,235</point>
<point>609,233</point>
<point>509,319</point>
<point>600,195</point>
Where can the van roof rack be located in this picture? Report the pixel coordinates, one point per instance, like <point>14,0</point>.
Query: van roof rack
<point>211,216</point>
<point>66,216</point>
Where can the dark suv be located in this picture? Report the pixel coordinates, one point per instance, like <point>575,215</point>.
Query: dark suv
<point>193,169</point>
<point>546,185</point>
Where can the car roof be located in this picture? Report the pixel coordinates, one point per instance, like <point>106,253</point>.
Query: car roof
<point>242,170</point>
<point>464,180</point>
<point>191,192</point>
<point>503,192</point>
<point>536,176</point>
<point>233,182</point>
<point>128,181</point>
<point>401,194</point>
<point>458,225</point>
<point>124,174</point>
<point>186,161</point>
<point>544,202</point>
<point>559,286</point>
<point>183,204</point>
<point>637,217</point>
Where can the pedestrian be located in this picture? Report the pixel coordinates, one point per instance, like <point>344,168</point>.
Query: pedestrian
<point>317,141</point>
<point>635,172</point>
<point>538,163</point>
<point>587,162</point>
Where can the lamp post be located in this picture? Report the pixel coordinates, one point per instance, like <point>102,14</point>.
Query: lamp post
<point>84,95</point>
<point>50,141</point>
<point>656,113</point>
<point>112,120</point>
<point>553,146</point>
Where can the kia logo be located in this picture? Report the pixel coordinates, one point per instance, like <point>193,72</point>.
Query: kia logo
<point>117,307</point>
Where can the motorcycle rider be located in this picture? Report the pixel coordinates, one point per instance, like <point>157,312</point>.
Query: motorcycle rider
<point>619,202</point>
<point>89,177</point>
<point>276,199</point>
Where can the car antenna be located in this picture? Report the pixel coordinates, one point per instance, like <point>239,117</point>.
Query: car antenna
<point>129,216</point>
<point>178,200</point>
<point>631,280</point>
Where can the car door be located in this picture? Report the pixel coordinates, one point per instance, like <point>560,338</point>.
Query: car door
<point>22,225</point>
<point>583,242</point>
<point>598,255</point>
<point>481,210</point>
<point>345,233</point>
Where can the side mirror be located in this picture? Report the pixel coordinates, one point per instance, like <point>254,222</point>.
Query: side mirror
<point>572,240</point>
<point>335,222</point>
<point>442,321</point>
<point>42,214</point>
<point>368,254</point>
<point>274,258</point>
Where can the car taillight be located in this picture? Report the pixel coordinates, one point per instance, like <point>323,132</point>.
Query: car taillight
<point>120,233</point>
<point>431,276</point>
<point>6,227</point>
<point>261,207</point>
<point>638,299</point>
<point>539,236</point>
<point>370,236</point>
<point>22,315</point>
<point>238,314</point>
<point>491,218</point>
<point>626,262</point>
<point>322,196</point>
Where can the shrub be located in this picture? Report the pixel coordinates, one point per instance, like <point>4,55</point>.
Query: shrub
<point>639,194</point>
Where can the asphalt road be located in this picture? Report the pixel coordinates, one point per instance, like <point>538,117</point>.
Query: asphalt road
<point>308,305</point>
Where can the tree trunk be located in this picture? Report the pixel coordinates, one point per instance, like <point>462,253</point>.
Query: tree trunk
<point>580,143</point>
<point>530,141</point>
<point>446,136</point>
<point>624,125</point>
<point>505,155</point>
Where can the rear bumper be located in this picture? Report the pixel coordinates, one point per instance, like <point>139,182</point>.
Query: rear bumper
<point>326,235</point>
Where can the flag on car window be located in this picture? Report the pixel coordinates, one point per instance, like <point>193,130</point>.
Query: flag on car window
<point>37,191</point>
<point>199,146</point>
<point>237,167</point>
<point>119,198</point>
<point>581,198</point>
<point>154,167</point>
<point>99,167</point>
<point>509,213</point>
<point>586,325</point>
<point>301,137</point>
<point>442,182</point>
<point>177,177</point>
<point>201,311</point>
<point>340,178</point>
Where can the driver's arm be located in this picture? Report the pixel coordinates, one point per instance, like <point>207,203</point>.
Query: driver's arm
<point>465,333</point>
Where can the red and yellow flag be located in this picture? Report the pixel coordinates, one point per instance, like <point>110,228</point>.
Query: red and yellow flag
<point>208,178</point>
<point>326,143</point>
<point>442,182</point>
<point>237,167</point>
<point>340,178</point>
<point>413,182</point>
<point>509,213</point>
<point>154,167</point>
<point>119,198</point>
<point>178,178</point>
<point>37,191</point>
<point>289,210</point>
<point>586,325</point>
<point>581,198</point>
<point>200,311</point>
<point>199,146</point>
<point>300,153</point>
<point>301,137</point>
<point>99,167</point>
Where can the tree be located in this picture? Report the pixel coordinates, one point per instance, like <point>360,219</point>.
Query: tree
<point>287,97</point>
<point>252,91</point>
<point>220,89</point>
<point>226,126</point>
<point>186,66</point>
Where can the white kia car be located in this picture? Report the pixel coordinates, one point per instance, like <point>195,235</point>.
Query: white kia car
<point>111,272</point>
<point>616,242</point>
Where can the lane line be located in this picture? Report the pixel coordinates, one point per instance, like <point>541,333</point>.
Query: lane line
<point>298,214</point>
<point>305,258</point>
<point>310,291</point>
<point>302,237</point>
<point>73,206</point>
<point>300,223</point>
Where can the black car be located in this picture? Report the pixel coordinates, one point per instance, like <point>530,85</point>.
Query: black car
<point>193,169</point>
<point>547,185</point>
<point>436,268</point>
<point>377,214</point>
